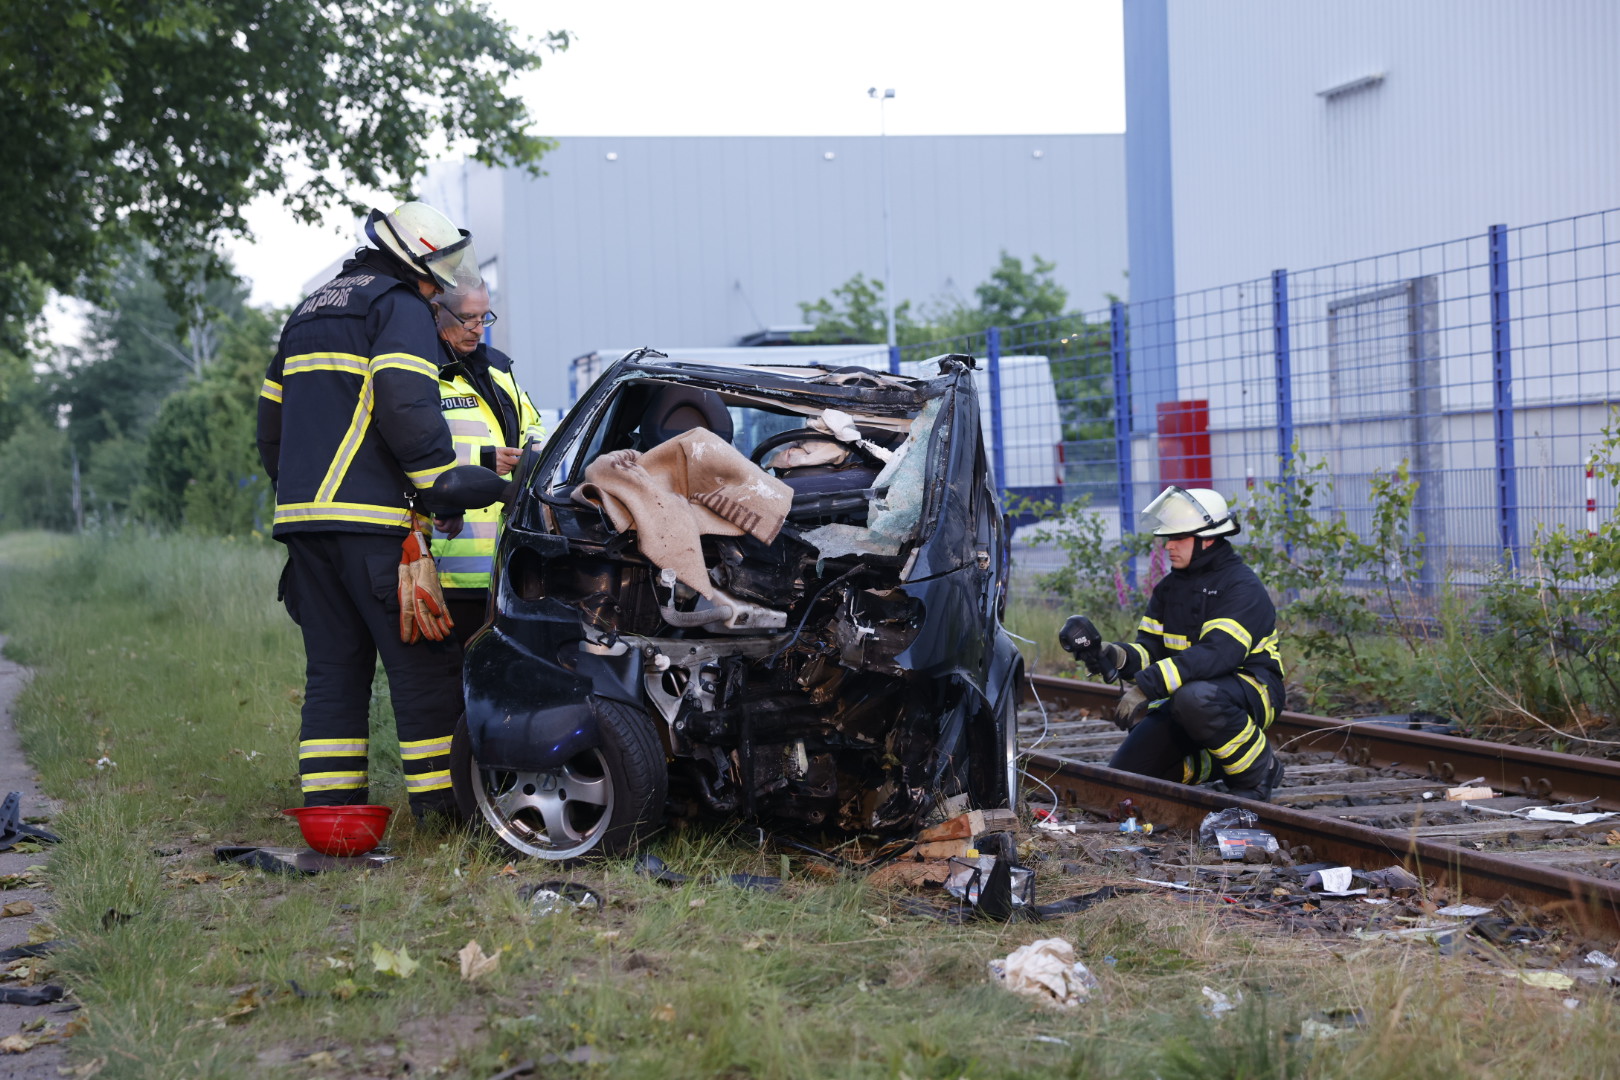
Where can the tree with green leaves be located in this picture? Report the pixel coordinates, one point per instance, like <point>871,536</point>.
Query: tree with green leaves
<point>852,314</point>
<point>156,121</point>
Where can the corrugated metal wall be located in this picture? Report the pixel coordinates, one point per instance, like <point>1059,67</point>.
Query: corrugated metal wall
<point>698,241</point>
<point>1489,111</point>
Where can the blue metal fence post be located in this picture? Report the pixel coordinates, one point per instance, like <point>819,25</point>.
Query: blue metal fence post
<point>1118,352</point>
<point>1285,376</point>
<point>1507,488</point>
<point>894,359</point>
<point>998,441</point>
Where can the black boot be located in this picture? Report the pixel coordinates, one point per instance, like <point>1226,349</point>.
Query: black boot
<point>1259,781</point>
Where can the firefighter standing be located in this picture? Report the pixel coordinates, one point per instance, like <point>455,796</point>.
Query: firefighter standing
<point>1205,664</point>
<point>489,417</point>
<point>350,431</point>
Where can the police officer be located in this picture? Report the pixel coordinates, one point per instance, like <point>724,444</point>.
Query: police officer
<point>350,433</point>
<point>1207,678</point>
<point>490,418</point>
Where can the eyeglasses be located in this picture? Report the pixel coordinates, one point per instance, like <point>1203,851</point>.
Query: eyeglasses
<point>471,322</point>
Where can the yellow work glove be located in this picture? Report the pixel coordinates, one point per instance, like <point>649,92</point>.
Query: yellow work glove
<point>422,611</point>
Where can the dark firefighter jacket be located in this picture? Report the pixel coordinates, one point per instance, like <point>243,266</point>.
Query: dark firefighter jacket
<point>1210,619</point>
<point>349,420</point>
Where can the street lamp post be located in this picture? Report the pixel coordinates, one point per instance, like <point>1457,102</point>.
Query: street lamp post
<point>888,242</point>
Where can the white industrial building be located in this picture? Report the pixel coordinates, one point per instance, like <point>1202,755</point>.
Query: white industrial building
<point>685,242</point>
<point>1368,147</point>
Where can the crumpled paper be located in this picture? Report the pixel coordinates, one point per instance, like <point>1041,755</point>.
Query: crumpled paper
<point>1046,970</point>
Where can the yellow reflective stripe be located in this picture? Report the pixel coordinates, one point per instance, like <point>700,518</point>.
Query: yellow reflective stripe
<point>271,390</point>
<point>1186,770</point>
<point>313,748</point>
<point>1150,626</point>
<point>1232,627</point>
<point>365,513</point>
<point>1231,748</point>
<point>425,749</point>
<point>405,362</point>
<point>1172,677</point>
<point>1265,698</point>
<point>423,478</point>
<point>345,362</point>
<point>1242,764</point>
<point>348,444</point>
<point>469,427</point>
<point>1142,657</point>
<point>429,781</point>
<point>1177,642</point>
<point>328,780</point>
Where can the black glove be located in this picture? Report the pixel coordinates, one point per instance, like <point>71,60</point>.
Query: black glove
<point>1081,638</point>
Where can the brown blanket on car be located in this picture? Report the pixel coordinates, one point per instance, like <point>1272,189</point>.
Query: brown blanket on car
<point>693,484</point>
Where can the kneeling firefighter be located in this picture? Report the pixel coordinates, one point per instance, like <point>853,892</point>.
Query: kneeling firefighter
<point>1207,675</point>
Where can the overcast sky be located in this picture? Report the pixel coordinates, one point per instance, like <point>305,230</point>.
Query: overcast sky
<point>721,67</point>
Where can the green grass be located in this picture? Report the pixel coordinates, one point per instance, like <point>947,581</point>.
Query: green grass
<point>169,657</point>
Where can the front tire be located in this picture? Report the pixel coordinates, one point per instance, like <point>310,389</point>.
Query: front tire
<point>600,802</point>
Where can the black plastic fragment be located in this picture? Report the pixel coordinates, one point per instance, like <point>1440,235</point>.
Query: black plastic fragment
<point>31,995</point>
<point>1074,904</point>
<point>21,952</point>
<point>13,829</point>
<point>652,866</point>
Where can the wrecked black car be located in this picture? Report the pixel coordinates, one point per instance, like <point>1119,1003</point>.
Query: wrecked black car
<point>762,591</point>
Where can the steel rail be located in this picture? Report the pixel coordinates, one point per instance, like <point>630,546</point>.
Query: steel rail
<point>1519,769</point>
<point>1590,902</point>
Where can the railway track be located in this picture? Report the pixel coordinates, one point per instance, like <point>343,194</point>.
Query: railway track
<point>1366,795</point>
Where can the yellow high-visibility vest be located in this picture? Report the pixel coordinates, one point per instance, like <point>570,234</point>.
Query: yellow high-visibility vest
<point>465,561</point>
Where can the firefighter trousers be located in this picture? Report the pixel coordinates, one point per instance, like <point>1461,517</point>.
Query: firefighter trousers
<point>1210,729</point>
<point>341,590</point>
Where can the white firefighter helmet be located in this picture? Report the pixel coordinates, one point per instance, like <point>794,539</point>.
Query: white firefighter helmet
<point>1179,512</point>
<point>428,243</point>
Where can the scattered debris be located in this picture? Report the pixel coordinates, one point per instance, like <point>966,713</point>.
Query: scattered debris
<point>550,897</point>
<point>1220,1004</point>
<point>282,860</point>
<point>1396,877</point>
<point>1230,818</point>
<point>30,995</point>
<point>1601,960</point>
<point>1233,843</point>
<point>1046,970</point>
<point>1549,980</point>
<point>1316,1030</point>
<point>14,830</point>
<point>16,908</point>
<point>1464,911</point>
<point>1463,794</point>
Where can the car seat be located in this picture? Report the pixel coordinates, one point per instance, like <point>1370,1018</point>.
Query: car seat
<point>674,409</point>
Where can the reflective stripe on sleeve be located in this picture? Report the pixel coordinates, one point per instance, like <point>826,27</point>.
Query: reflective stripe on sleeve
<point>306,362</point>
<point>271,391</point>
<point>405,362</point>
<point>1232,627</point>
<point>423,478</point>
<point>1178,642</point>
<point>1168,672</point>
<point>1151,626</point>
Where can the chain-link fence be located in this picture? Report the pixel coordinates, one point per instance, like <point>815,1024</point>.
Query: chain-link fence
<point>1488,365</point>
